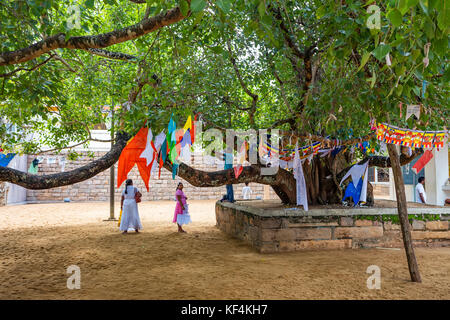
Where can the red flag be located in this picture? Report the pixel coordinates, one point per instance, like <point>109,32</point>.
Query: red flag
<point>422,162</point>
<point>161,163</point>
<point>193,129</point>
<point>238,170</point>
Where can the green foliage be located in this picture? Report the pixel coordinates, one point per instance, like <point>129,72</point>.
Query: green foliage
<point>394,218</point>
<point>353,83</point>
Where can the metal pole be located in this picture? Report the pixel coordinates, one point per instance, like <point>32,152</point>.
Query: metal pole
<point>111,170</point>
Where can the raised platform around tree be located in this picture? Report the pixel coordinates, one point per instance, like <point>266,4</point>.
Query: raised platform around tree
<point>269,226</point>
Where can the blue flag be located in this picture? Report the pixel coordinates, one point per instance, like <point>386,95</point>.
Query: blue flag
<point>353,192</point>
<point>174,170</point>
<point>164,150</point>
<point>5,159</point>
<point>172,126</point>
<point>186,138</point>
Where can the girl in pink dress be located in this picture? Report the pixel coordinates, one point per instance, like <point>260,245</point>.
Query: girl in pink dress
<point>181,215</point>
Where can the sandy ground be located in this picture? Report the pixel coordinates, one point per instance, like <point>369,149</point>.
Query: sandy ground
<point>38,242</point>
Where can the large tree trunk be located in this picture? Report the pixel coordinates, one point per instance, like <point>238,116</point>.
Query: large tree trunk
<point>403,213</point>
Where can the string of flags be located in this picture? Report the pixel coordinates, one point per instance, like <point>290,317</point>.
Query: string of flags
<point>410,138</point>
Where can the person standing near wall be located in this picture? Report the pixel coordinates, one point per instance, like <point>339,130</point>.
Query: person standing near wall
<point>246,192</point>
<point>181,215</point>
<point>130,214</point>
<point>229,165</point>
<point>421,196</point>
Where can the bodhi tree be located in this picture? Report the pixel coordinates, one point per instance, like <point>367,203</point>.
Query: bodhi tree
<point>319,70</point>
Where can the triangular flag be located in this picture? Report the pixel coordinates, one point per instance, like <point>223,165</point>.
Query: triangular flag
<point>238,170</point>
<point>164,151</point>
<point>302,196</point>
<point>159,140</point>
<point>5,159</point>
<point>354,192</point>
<point>174,170</point>
<point>131,155</point>
<point>193,129</point>
<point>188,124</point>
<point>422,162</point>
<point>185,154</point>
<point>161,163</point>
<point>241,158</point>
<point>356,172</point>
<point>172,125</point>
<point>34,166</point>
<point>150,150</point>
<point>186,139</point>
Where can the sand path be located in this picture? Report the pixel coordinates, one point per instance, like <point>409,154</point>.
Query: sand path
<point>38,242</point>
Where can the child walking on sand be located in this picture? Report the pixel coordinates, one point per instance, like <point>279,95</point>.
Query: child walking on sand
<point>181,215</point>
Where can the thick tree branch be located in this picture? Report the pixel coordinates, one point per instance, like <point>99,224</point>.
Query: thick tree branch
<point>112,55</point>
<point>35,182</point>
<point>287,37</point>
<point>104,40</point>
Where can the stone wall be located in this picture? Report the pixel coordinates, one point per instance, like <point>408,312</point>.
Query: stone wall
<point>97,188</point>
<point>269,231</point>
<point>381,191</point>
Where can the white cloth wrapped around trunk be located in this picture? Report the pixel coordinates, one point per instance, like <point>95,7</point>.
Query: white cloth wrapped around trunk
<point>302,197</point>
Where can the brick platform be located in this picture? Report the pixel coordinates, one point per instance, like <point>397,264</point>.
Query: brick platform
<point>280,230</point>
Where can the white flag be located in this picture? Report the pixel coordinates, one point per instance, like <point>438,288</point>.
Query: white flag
<point>302,197</point>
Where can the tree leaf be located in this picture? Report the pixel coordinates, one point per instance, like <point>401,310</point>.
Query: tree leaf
<point>411,3</point>
<point>224,5</point>
<point>197,5</point>
<point>262,8</point>
<point>381,51</point>
<point>184,7</point>
<point>402,7</point>
<point>321,11</point>
<point>89,4</point>
<point>395,17</point>
<point>364,60</point>
<point>444,17</point>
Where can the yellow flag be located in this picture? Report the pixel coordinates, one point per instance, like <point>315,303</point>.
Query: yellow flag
<point>188,124</point>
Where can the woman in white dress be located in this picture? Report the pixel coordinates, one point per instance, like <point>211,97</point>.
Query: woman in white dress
<point>128,205</point>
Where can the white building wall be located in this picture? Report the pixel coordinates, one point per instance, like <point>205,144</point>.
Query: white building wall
<point>436,176</point>
<point>17,194</point>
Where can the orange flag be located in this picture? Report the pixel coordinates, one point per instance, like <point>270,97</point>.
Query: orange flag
<point>131,155</point>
